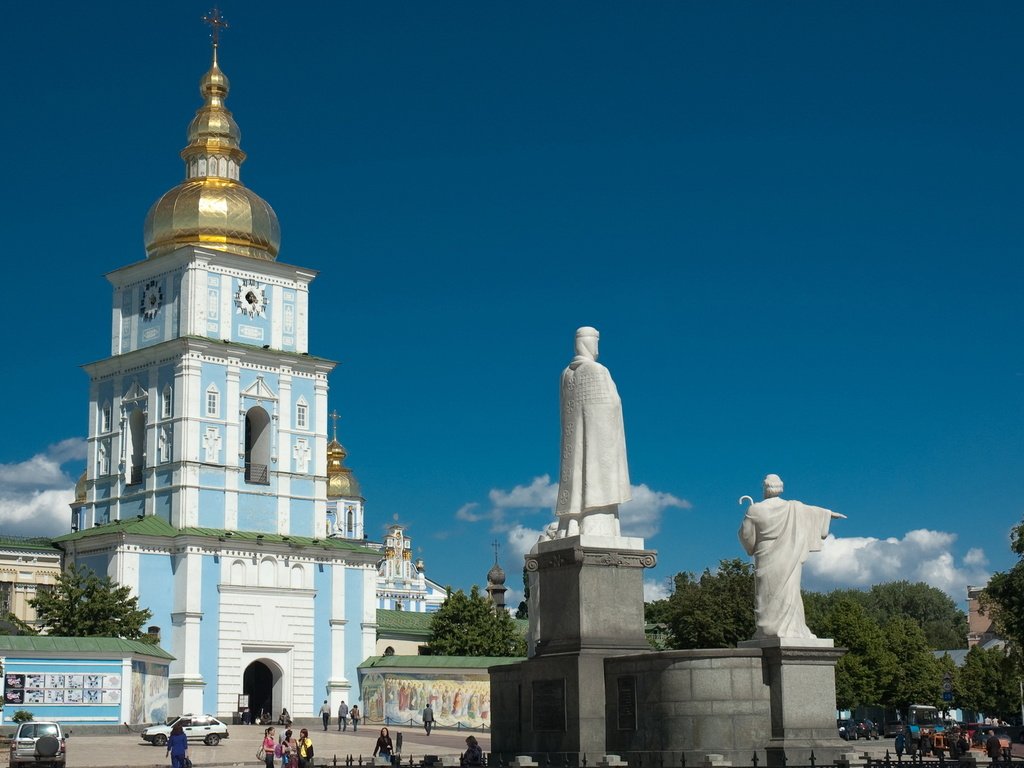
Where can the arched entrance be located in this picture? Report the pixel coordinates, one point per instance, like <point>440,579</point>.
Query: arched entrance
<point>258,684</point>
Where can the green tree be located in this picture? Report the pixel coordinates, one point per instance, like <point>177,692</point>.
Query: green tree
<point>467,625</point>
<point>917,674</point>
<point>1003,598</point>
<point>716,610</point>
<point>523,611</point>
<point>863,673</point>
<point>81,604</point>
<point>987,683</point>
<point>944,625</point>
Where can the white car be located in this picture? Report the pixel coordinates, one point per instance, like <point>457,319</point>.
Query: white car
<point>203,727</point>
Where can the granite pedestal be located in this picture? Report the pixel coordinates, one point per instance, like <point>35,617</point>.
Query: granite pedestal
<point>589,607</point>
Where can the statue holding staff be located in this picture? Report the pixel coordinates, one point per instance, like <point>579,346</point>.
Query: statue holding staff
<point>780,534</point>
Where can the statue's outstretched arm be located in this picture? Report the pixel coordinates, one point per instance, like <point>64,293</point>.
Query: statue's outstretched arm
<point>837,515</point>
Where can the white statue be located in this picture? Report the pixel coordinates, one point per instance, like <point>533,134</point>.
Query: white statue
<point>780,534</point>
<point>593,478</point>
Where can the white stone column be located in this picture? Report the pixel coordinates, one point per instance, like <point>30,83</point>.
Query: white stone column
<point>338,685</point>
<point>186,682</point>
<point>369,621</point>
<point>234,447</point>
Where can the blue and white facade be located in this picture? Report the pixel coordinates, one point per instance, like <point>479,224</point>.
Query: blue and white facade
<point>206,482</point>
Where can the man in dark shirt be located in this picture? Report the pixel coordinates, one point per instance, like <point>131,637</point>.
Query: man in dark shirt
<point>993,746</point>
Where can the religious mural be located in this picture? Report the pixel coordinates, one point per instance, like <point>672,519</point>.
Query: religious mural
<point>149,692</point>
<point>463,700</point>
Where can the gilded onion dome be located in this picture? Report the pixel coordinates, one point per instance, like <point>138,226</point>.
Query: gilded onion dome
<point>212,207</point>
<point>81,487</point>
<point>340,480</point>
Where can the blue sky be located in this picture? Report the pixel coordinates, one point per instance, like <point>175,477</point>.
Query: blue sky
<point>797,226</point>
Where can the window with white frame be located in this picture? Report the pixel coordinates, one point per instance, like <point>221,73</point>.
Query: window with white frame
<point>166,403</point>
<point>106,417</point>
<point>212,401</point>
<point>301,415</point>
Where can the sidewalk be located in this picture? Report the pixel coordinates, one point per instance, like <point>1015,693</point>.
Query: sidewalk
<point>128,750</point>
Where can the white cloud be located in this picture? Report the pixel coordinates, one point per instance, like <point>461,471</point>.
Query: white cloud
<point>656,590</point>
<point>35,493</point>
<point>641,516</point>
<point>921,555</point>
<point>521,540</point>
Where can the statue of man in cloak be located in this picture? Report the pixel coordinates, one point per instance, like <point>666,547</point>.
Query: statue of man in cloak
<point>780,534</point>
<point>593,478</point>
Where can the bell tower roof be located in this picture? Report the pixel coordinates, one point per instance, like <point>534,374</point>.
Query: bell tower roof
<point>212,207</point>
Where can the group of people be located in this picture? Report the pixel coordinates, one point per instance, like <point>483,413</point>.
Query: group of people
<point>292,752</point>
<point>957,742</point>
<point>345,716</point>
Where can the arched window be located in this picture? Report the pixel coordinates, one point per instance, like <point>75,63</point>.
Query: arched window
<point>212,402</point>
<point>302,414</point>
<point>257,446</point>
<point>136,445</point>
<point>297,576</point>
<point>351,521</point>
<point>106,418</point>
<point>238,572</point>
<point>268,568</point>
<point>166,403</point>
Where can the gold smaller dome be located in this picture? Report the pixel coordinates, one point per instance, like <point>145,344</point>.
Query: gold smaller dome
<point>80,489</point>
<point>341,483</point>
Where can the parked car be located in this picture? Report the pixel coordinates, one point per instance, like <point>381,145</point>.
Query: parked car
<point>893,728</point>
<point>847,730</point>
<point>866,729</point>
<point>38,743</point>
<point>205,727</point>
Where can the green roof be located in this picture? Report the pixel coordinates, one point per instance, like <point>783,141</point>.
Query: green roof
<point>26,542</point>
<point>74,645</point>
<point>403,622</point>
<point>151,525</point>
<point>438,662</point>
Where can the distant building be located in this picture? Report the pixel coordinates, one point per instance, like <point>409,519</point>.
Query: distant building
<point>401,584</point>
<point>27,566</point>
<point>980,628</point>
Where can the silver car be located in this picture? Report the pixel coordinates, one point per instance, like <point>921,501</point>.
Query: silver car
<point>38,743</point>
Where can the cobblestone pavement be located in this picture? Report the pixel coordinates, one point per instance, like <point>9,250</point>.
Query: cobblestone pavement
<point>240,747</point>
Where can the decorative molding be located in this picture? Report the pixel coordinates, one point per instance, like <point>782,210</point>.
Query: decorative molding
<point>581,557</point>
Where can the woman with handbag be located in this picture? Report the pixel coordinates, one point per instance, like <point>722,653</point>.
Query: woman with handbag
<point>267,750</point>
<point>384,747</point>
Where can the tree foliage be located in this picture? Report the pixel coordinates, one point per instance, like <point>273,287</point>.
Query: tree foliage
<point>1003,598</point>
<point>714,611</point>
<point>467,625</point>
<point>917,674</point>
<point>81,604</point>
<point>868,666</point>
<point>987,683</point>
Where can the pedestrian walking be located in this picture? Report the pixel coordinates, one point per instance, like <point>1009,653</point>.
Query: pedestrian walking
<point>428,718</point>
<point>901,744</point>
<point>993,747</point>
<point>325,714</point>
<point>343,716</point>
<point>355,715</point>
<point>177,746</point>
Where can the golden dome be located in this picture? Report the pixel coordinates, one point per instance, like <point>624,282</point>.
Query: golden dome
<point>340,480</point>
<point>212,207</point>
<point>80,489</point>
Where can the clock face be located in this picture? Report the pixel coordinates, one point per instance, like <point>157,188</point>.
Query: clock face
<point>152,300</point>
<point>251,298</point>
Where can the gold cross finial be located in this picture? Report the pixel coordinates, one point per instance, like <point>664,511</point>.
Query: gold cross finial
<point>217,23</point>
<point>334,417</point>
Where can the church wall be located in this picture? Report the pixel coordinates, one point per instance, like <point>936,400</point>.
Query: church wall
<point>354,611</point>
<point>162,506</point>
<point>257,512</point>
<point>211,477</point>
<point>302,518</point>
<point>211,508</point>
<point>210,629</point>
<point>324,589</point>
<point>132,507</point>
<point>96,563</point>
<point>154,569</point>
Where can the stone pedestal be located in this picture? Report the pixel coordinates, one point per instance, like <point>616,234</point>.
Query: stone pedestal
<point>800,674</point>
<point>588,605</point>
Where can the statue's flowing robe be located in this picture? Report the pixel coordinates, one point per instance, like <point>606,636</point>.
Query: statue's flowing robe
<point>780,534</point>
<point>593,471</point>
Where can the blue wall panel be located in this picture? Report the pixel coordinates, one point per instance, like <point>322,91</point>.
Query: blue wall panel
<point>257,512</point>
<point>211,508</point>
<point>209,631</point>
<point>321,633</point>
